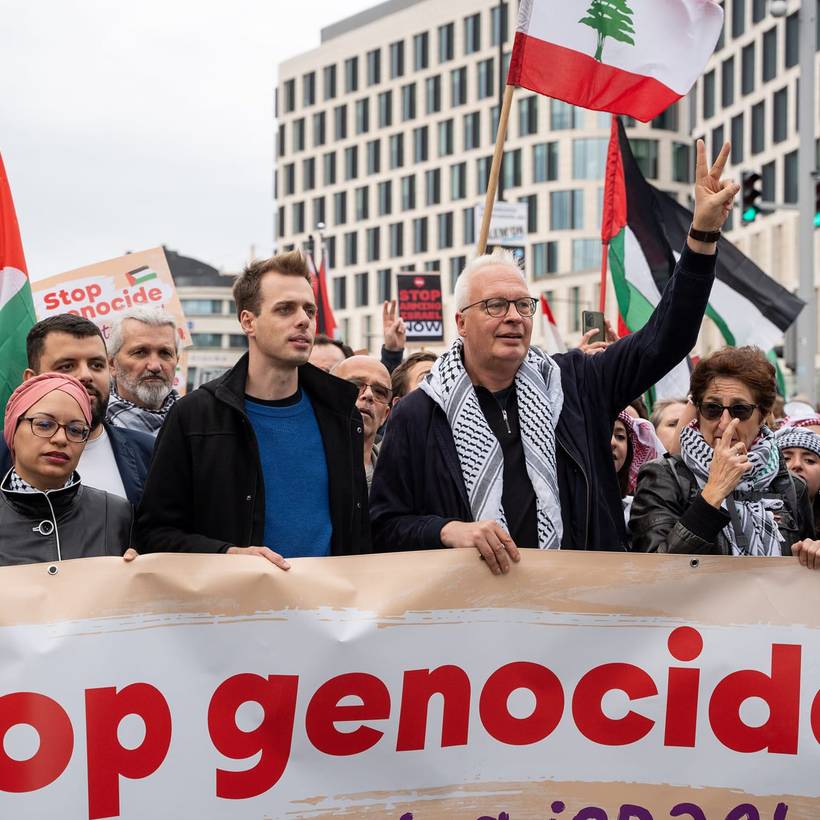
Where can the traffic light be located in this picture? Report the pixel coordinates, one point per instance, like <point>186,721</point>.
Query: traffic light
<point>750,193</point>
<point>817,204</point>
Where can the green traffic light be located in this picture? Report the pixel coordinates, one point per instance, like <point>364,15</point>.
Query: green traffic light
<point>750,213</point>
<point>817,220</point>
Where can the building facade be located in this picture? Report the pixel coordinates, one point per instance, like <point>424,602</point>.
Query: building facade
<point>385,136</point>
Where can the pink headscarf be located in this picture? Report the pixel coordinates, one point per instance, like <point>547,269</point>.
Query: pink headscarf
<point>31,391</point>
<point>646,445</point>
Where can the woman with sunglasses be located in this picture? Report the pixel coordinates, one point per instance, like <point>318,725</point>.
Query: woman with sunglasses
<point>46,514</point>
<point>729,492</point>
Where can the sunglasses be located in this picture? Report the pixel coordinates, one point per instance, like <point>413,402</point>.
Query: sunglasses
<point>711,410</point>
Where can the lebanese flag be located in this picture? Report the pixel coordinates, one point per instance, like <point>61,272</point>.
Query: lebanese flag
<point>553,343</point>
<point>16,304</point>
<point>646,229</point>
<point>325,320</point>
<point>608,56</point>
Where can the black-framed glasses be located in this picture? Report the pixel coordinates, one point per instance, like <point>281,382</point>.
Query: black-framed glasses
<point>498,307</point>
<point>380,393</point>
<point>712,411</point>
<point>44,427</point>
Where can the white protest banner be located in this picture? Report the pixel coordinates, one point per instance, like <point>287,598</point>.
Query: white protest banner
<point>415,686</point>
<point>508,224</point>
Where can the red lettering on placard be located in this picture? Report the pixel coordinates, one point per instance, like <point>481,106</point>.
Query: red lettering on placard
<point>105,708</point>
<point>780,690</point>
<point>324,712</point>
<point>52,725</point>
<point>588,712</point>
<point>452,683</point>
<point>549,703</point>
<point>273,737</point>
<point>685,644</point>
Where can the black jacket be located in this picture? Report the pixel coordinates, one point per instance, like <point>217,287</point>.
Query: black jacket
<point>418,485</point>
<point>205,491</point>
<point>669,514</point>
<point>132,452</point>
<point>86,523</point>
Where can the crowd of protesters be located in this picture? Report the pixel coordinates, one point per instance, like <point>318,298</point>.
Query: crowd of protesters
<point>305,449</point>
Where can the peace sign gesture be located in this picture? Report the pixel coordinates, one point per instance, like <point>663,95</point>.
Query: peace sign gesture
<point>713,195</point>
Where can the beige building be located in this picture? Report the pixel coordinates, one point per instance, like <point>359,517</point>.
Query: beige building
<point>385,135</point>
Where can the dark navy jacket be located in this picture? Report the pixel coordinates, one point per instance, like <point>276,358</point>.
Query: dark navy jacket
<point>132,452</point>
<point>418,485</point>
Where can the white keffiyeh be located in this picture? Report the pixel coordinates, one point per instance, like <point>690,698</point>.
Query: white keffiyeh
<point>540,398</point>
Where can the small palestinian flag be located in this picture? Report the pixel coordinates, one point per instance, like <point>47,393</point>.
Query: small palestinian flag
<point>646,230</point>
<point>625,56</point>
<point>16,304</point>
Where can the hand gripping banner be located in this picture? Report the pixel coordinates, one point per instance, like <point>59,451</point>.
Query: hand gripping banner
<point>416,686</point>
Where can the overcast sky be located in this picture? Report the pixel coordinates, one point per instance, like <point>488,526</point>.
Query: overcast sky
<point>127,125</point>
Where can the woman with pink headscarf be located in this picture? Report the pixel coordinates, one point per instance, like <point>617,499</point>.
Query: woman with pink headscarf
<point>46,514</point>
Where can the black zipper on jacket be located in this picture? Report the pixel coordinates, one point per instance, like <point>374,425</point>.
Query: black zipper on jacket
<point>586,482</point>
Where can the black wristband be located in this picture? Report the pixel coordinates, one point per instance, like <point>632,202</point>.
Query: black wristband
<point>704,236</point>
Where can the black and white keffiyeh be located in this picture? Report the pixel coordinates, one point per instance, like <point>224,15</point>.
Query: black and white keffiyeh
<point>754,516</point>
<point>540,398</point>
<point>124,413</point>
<point>16,484</point>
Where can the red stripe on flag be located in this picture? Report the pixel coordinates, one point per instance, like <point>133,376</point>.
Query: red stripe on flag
<point>576,78</point>
<point>11,246</point>
<point>613,218</point>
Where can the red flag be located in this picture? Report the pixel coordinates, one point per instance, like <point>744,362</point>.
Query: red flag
<point>325,320</point>
<point>553,343</point>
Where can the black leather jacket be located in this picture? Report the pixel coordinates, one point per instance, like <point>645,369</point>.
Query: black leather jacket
<point>669,514</point>
<point>72,522</point>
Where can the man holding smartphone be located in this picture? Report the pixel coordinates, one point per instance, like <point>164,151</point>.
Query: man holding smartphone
<point>503,447</point>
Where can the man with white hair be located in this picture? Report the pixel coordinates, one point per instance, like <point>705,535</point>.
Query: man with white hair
<point>504,447</point>
<point>144,349</point>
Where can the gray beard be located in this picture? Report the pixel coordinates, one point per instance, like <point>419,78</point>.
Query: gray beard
<point>149,395</point>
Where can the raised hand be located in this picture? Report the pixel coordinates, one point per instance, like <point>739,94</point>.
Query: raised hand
<point>393,329</point>
<point>713,195</point>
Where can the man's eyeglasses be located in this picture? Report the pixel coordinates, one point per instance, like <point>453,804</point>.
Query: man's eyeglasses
<point>711,410</point>
<point>44,427</point>
<point>498,307</point>
<point>380,393</point>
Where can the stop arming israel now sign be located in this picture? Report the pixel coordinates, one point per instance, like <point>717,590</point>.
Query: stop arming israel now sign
<point>420,306</point>
<point>588,686</point>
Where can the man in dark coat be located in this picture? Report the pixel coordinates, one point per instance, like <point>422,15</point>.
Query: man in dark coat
<point>503,446</point>
<point>266,459</point>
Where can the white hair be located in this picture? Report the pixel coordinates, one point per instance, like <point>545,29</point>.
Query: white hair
<point>500,257</point>
<point>156,317</point>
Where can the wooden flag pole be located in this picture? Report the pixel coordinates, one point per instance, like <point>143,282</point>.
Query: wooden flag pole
<point>495,169</point>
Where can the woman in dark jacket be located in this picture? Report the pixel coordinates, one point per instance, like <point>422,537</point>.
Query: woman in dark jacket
<point>729,491</point>
<point>46,514</point>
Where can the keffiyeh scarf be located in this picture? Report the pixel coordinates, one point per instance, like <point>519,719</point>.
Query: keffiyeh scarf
<point>540,398</point>
<point>753,530</point>
<point>124,413</point>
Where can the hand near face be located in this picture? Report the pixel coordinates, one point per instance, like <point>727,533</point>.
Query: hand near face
<point>730,463</point>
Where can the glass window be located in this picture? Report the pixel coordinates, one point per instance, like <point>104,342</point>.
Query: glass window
<point>717,141</point>
<point>290,96</point>
<point>738,17</point>
<point>309,89</point>
<point>396,151</point>
<point>351,74</point>
<point>709,94</point>
<point>372,237</point>
<point>420,235</point>
<point>780,115</point>
<point>458,181</point>
<point>737,138</point>
<point>340,122</point>
<point>769,54</point>
<point>511,168</point>
<point>330,250</point>
<point>318,129</point>
<point>544,259</point>
<point>308,174</point>
<point>397,239</point>
<point>362,116</point>
<point>727,82</point>
<point>351,248</point>
<point>298,216</point>
<point>408,102</point>
<point>472,130</point>
<point>329,82</point>
<point>408,192</point>
<point>202,307</point>
<point>646,155</point>
<point>531,202</point>
<point>666,121</point>
<point>351,162</point>
<point>562,115</point>
<point>329,162</point>
<point>421,51</point>
<point>790,177</point>
<point>768,184</point>
<point>528,116</point>
<point>384,283</point>
<point>207,339</point>
<point>420,144</point>
<point>299,134</point>
<point>339,292</point>
<point>280,219</point>
<point>486,78</point>
<point>457,264</point>
<point>445,230</point>
<point>575,308</point>
<point>238,340</point>
<point>445,138</point>
<point>397,59</point>
<point>432,94</point>
<point>468,225</point>
<point>566,210</point>
<point>432,185</point>
<point>385,196</point>
<point>472,33</point>
<point>280,140</point>
<point>792,40</point>
<point>374,156</point>
<point>747,64</point>
<point>758,127</point>
<point>499,24</point>
<point>483,173</point>
<point>374,66</point>
<point>289,175</point>
<point>319,210</point>
<point>458,87</point>
<point>362,199</point>
<point>589,157</point>
<point>446,42</point>
<point>758,10</point>
<point>586,254</point>
<point>545,162</point>
<point>385,109</point>
<point>340,207</point>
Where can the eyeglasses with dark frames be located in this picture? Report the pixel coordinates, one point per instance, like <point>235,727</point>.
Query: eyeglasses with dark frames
<point>380,393</point>
<point>498,307</point>
<point>711,410</point>
<point>45,427</point>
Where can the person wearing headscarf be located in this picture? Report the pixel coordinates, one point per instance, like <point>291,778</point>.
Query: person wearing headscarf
<point>46,514</point>
<point>801,449</point>
<point>729,492</point>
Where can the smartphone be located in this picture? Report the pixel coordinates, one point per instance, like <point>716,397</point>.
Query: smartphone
<point>594,320</point>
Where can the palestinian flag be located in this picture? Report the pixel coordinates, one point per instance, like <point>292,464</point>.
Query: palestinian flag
<point>325,320</point>
<point>609,55</point>
<point>16,304</point>
<point>553,343</point>
<point>645,230</point>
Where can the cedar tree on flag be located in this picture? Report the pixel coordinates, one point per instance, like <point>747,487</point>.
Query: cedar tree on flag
<point>325,320</point>
<point>553,343</point>
<point>646,230</point>
<point>16,304</point>
<point>633,57</point>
